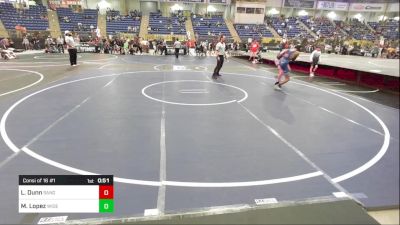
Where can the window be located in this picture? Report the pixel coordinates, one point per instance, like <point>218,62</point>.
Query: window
<point>241,10</point>
<point>250,10</point>
<point>259,11</point>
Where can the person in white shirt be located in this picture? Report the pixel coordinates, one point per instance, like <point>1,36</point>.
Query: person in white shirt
<point>164,47</point>
<point>48,43</point>
<point>220,51</point>
<point>314,59</point>
<point>71,46</point>
<point>177,46</point>
<point>25,42</point>
<point>98,34</point>
<point>60,44</point>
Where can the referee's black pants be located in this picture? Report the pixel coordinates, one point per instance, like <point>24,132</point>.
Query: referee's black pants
<point>72,56</point>
<point>176,52</point>
<point>220,62</point>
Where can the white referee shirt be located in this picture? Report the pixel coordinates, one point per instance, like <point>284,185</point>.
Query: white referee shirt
<point>220,47</point>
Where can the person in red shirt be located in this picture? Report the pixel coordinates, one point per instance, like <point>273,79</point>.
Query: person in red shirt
<point>254,46</point>
<point>188,46</point>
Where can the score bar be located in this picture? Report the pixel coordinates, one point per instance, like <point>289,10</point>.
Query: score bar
<point>66,194</point>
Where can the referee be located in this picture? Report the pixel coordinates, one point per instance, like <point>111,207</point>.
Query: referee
<point>71,46</point>
<point>220,50</point>
<point>177,46</point>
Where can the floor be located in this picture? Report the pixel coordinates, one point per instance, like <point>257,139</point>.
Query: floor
<point>177,140</point>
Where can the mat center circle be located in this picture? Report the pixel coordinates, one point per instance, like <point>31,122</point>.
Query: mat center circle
<point>194,93</point>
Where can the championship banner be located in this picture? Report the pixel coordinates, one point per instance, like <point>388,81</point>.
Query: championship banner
<point>306,4</point>
<point>327,5</point>
<point>367,7</point>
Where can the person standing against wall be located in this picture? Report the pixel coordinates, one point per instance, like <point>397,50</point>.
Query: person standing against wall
<point>71,46</point>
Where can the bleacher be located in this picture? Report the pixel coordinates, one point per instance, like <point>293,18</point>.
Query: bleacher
<point>323,25</point>
<point>160,25</point>
<point>117,23</point>
<point>34,18</point>
<point>389,29</point>
<point>205,26</point>
<point>256,31</point>
<point>87,18</point>
<point>291,28</point>
<point>356,29</point>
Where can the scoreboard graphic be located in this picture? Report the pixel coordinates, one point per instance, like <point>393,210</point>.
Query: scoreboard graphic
<point>66,194</point>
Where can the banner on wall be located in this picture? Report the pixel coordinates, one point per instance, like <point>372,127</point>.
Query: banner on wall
<point>327,5</point>
<point>225,2</point>
<point>187,1</point>
<point>53,4</point>
<point>368,7</point>
<point>307,4</point>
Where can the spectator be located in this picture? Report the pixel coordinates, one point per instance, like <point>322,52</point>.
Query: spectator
<point>60,44</point>
<point>4,43</point>
<point>25,43</point>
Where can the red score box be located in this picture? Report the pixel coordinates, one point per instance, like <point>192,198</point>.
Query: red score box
<point>106,192</point>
